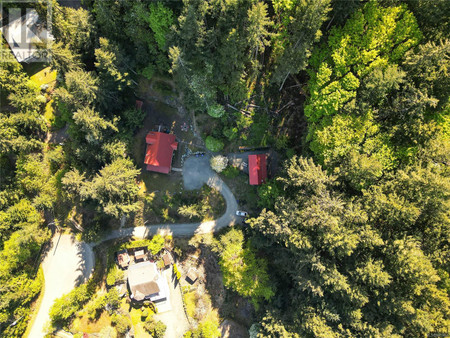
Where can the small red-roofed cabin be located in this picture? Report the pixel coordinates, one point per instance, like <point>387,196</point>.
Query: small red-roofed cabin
<point>160,147</point>
<point>257,169</point>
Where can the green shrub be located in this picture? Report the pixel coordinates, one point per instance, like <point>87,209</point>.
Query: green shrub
<point>206,329</point>
<point>290,152</point>
<point>134,118</point>
<point>62,117</point>
<point>216,111</point>
<point>65,307</point>
<point>190,211</point>
<point>156,244</point>
<point>231,172</point>
<point>110,280</point>
<point>148,71</point>
<point>144,314</point>
<point>156,328</point>
<point>268,194</point>
<point>115,275</point>
<point>214,144</point>
<point>230,133</point>
<point>121,323</point>
<point>95,306</point>
<point>112,299</point>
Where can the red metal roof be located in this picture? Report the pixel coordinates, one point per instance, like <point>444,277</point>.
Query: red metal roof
<point>257,169</point>
<point>160,147</point>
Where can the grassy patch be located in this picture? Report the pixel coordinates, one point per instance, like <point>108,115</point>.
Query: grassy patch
<point>136,315</point>
<point>155,182</point>
<point>41,76</point>
<point>190,300</point>
<point>244,192</point>
<point>138,324</point>
<point>62,115</point>
<point>163,88</point>
<point>84,324</point>
<point>49,114</point>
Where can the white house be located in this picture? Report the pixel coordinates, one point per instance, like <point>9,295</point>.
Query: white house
<point>146,282</point>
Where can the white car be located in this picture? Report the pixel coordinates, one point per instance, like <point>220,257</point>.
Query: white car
<point>241,213</point>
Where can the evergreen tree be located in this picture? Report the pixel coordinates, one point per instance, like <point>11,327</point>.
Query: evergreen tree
<point>114,188</point>
<point>111,65</point>
<point>62,59</point>
<point>429,68</point>
<point>91,125</point>
<point>298,25</point>
<point>342,273</point>
<point>81,89</point>
<point>242,270</point>
<point>76,29</point>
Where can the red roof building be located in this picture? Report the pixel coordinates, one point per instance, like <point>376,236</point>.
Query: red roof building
<point>257,169</point>
<point>160,147</point>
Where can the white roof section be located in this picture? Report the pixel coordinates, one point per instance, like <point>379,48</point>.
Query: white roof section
<point>142,278</point>
<point>23,32</point>
<point>141,273</point>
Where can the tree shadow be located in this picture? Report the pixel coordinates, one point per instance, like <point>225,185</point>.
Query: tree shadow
<point>86,261</point>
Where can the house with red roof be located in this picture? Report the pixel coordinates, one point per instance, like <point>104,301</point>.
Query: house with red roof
<point>257,169</point>
<point>160,147</point>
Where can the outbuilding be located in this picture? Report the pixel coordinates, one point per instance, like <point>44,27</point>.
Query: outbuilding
<point>257,169</point>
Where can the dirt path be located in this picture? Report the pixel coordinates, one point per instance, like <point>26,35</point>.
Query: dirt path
<point>67,264</point>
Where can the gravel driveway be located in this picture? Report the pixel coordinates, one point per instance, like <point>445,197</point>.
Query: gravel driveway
<point>175,319</point>
<point>67,264</point>
<point>196,172</point>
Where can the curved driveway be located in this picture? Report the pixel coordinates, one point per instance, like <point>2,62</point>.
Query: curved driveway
<point>69,263</point>
<point>196,172</point>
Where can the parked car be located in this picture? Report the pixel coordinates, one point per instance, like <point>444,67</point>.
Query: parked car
<point>241,213</point>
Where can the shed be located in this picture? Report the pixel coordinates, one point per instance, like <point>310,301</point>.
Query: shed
<point>191,276</point>
<point>140,255</point>
<point>123,259</point>
<point>160,148</point>
<point>257,169</point>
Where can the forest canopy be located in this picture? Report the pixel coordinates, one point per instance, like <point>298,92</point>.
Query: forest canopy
<point>349,237</point>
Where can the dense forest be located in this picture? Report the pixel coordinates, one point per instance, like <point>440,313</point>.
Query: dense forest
<point>353,232</point>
